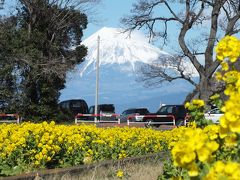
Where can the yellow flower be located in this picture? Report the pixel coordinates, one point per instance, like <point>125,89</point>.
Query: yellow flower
<point>228,47</point>
<point>60,139</point>
<point>52,123</point>
<point>120,173</point>
<point>220,170</point>
<point>187,105</point>
<point>50,142</point>
<point>40,145</point>
<point>203,154</point>
<point>219,165</point>
<point>198,102</point>
<point>225,66</point>
<point>44,151</point>
<point>223,132</point>
<point>87,160</point>
<point>215,96</point>
<point>218,76</point>
<point>231,140</point>
<point>212,146</point>
<point>193,170</point>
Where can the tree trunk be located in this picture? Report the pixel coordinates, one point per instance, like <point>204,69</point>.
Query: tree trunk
<point>205,88</point>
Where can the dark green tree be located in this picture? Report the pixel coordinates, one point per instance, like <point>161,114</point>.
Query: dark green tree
<point>8,73</point>
<point>42,38</point>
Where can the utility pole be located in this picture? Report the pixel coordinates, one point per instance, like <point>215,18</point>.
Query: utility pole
<point>97,80</point>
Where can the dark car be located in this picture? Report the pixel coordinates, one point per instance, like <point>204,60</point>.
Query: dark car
<point>105,112</point>
<point>133,114</point>
<point>166,114</point>
<point>72,107</point>
<point>9,118</point>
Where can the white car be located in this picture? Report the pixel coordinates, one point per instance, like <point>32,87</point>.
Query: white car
<point>214,115</point>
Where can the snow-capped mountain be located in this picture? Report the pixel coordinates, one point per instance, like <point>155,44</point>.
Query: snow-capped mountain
<point>120,48</point>
<point>121,55</point>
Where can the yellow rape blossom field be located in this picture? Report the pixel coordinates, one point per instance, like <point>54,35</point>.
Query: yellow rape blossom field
<point>197,151</point>
<point>29,146</point>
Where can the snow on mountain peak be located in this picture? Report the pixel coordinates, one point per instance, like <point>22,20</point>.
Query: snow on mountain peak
<point>120,48</point>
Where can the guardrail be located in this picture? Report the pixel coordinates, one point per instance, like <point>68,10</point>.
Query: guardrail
<point>152,122</point>
<point>6,118</point>
<point>79,120</point>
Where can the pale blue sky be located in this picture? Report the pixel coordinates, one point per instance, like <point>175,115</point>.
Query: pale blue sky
<point>109,13</point>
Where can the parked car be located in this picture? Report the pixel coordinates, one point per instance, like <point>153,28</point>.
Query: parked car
<point>9,118</point>
<point>106,112</point>
<point>165,115</point>
<point>71,107</point>
<point>134,114</point>
<point>214,115</point>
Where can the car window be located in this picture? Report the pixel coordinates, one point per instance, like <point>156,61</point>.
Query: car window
<point>170,109</point>
<point>127,112</point>
<point>91,110</point>
<point>76,104</point>
<point>124,112</point>
<point>163,109</point>
<point>133,111</point>
<point>216,111</point>
<point>107,108</point>
<point>130,111</point>
<point>142,111</point>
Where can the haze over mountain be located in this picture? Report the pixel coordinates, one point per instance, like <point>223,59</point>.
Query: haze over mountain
<point>121,55</point>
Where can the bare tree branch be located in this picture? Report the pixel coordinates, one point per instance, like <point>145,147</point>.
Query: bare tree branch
<point>165,69</point>
<point>172,12</point>
<point>193,17</point>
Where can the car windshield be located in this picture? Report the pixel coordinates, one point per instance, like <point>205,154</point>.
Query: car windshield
<point>76,103</point>
<point>107,108</point>
<point>142,111</point>
<point>215,111</point>
<point>165,110</point>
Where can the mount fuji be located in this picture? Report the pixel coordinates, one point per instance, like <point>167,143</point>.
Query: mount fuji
<point>121,55</point>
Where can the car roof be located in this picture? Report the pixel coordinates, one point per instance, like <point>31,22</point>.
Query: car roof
<point>103,105</point>
<point>73,100</point>
<point>134,109</point>
<point>173,105</point>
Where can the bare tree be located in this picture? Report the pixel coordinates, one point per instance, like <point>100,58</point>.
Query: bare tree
<point>209,20</point>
